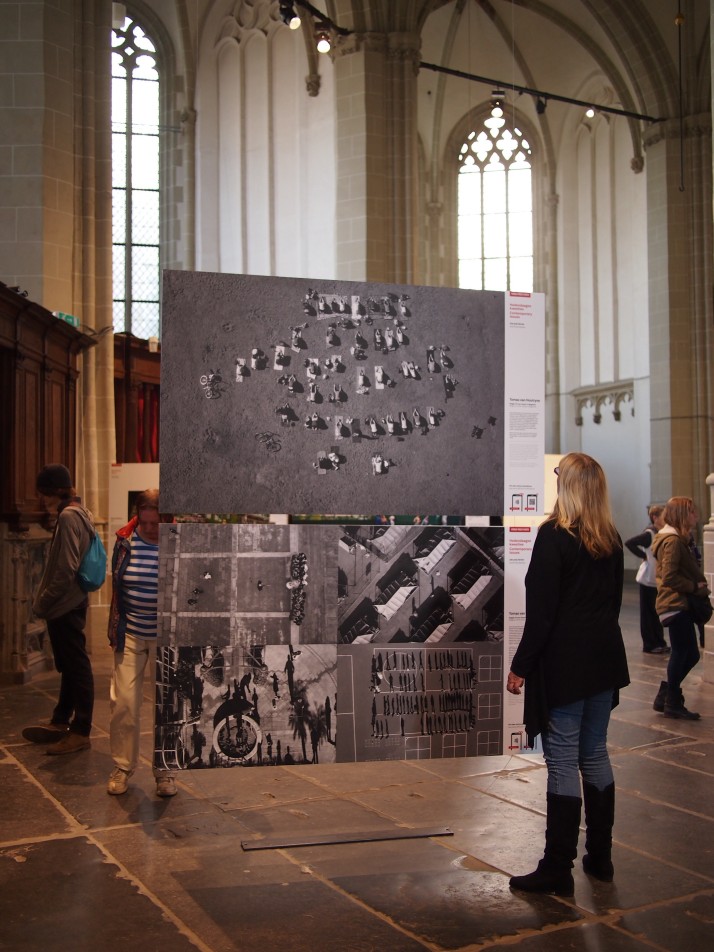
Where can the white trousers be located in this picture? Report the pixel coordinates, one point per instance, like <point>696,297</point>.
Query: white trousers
<point>126,693</point>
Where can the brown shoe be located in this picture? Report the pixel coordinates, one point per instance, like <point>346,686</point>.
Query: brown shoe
<point>70,744</point>
<point>166,787</point>
<point>118,782</point>
<point>45,733</point>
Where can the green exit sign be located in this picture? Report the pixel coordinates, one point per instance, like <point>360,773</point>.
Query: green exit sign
<point>67,318</point>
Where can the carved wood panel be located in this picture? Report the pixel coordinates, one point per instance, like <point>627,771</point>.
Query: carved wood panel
<point>38,393</point>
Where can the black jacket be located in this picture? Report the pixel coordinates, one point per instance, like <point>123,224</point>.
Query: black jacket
<point>572,646</point>
<point>639,544</point>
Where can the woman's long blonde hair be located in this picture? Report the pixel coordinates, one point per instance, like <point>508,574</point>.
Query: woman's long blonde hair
<point>583,506</point>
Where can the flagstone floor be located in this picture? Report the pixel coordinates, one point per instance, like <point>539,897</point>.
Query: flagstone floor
<point>80,870</point>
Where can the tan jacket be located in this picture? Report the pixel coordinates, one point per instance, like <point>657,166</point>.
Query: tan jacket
<point>678,573</point>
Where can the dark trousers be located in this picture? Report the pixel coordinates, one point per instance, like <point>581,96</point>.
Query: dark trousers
<point>650,625</point>
<point>69,646</point>
<point>685,651</point>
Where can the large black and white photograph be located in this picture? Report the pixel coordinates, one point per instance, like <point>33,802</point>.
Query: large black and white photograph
<point>420,584</point>
<point>298,396</point>
<point>241,584</point>
<point>416,702</point>
<point>260,706</point>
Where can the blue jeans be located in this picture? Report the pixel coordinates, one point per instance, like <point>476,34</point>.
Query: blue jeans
<point>576,743</point>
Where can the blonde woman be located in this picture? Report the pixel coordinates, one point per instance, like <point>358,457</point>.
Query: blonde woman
<point>678,575</point>
<point>572,660</point>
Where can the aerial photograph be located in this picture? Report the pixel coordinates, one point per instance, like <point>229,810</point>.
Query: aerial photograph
<point>291,396</point>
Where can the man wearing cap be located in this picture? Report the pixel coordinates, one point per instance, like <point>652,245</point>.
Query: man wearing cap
<point>63,604</point>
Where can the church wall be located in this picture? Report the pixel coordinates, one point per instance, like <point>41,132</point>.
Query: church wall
<point>629,264</point>
<point>255,165</point>
<point>582,321</point>
<point>36,150</point>
<point>606,241</point>
<point>603,346</point>
<point>265,153</point>
<point>229,253</point>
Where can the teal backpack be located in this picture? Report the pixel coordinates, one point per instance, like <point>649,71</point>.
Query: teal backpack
<point>93,567</point>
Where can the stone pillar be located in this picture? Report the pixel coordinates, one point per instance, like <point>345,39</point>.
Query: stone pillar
<point>56,202</point>
<point>375,84</point>
<point>679,203</point>
<point>555,427</point>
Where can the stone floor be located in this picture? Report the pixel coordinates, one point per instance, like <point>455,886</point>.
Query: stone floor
<point>80,870</point>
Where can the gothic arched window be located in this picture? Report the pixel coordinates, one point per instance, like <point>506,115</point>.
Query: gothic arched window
<point>495,208</point>
<point>135,181</point>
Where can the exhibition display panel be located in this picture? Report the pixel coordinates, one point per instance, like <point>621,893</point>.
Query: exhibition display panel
<point>316,643</point>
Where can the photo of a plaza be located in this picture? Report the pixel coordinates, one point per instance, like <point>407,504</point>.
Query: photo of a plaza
<point>243,585</point>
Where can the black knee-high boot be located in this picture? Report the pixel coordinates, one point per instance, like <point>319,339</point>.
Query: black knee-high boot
<point>599,817</point>
<point>553,874</point>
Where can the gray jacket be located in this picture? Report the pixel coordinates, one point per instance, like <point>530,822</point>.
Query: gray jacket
<point>59,591</point>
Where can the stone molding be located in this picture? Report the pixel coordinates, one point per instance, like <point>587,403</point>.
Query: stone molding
<point>610,395</point>
<point>695,127</point>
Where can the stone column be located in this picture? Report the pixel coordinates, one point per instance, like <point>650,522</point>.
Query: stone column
<point>375,83</point>
<point>555,429</point>
<point>55,198</point>
<point>679,203</point>
<point>87,126</point>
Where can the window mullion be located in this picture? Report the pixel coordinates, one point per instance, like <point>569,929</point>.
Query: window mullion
<point>482,225</point>
<point>508,229</point>
<point>128,232</point>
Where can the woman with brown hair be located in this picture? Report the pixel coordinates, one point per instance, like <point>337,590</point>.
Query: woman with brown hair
<point>678,576</point>
<point>572,660</point>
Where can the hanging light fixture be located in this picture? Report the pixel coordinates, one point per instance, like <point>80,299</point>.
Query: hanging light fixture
<point>323,40</point>
<point>288,14</point>
<point>545,96</point>
<point>498,97</point>
<point>495,121</point>
<point>325,30</point>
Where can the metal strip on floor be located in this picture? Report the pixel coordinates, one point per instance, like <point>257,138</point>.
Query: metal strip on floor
<point>327,839</point>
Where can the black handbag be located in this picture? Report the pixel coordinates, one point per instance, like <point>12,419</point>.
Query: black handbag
<point>700,608</point>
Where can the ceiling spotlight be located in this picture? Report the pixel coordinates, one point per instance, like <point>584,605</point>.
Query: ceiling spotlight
<point>541,105</point>
<point>323,41</point>
<point>590,113</point>
<point>498,97</point>
<point>289,16</point>
<point>498,101</point>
